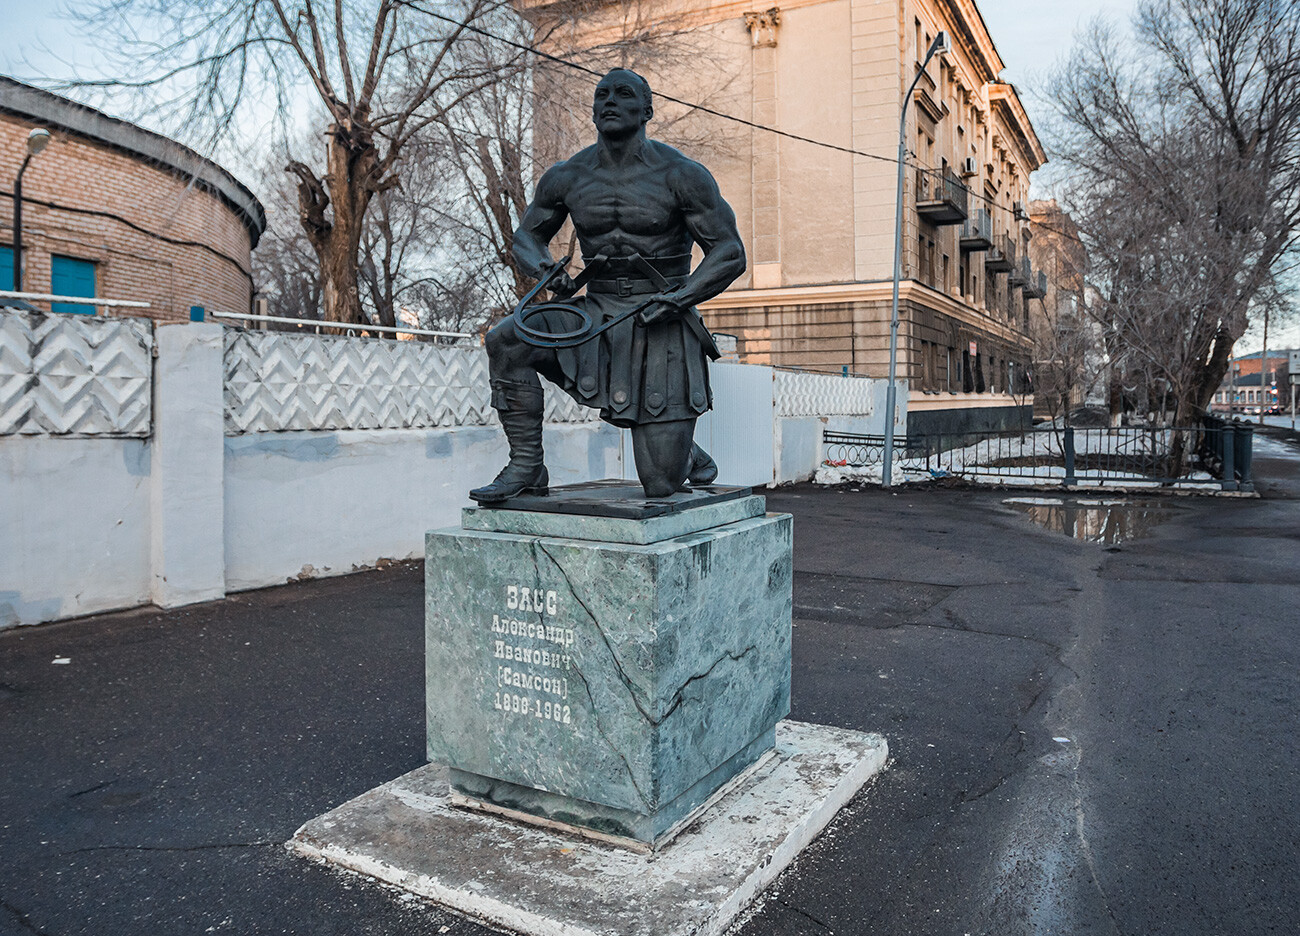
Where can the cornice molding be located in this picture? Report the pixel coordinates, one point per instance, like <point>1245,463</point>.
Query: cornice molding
<point>969,27</point>
<point>838,293</point>
<point>1004,98</point>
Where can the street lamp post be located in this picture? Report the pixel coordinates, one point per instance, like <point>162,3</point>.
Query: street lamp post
<point>940,46</point>
<point>36,141</point>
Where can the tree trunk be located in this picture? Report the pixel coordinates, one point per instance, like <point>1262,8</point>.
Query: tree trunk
<point>346,189</point>
<point>1213,370</point>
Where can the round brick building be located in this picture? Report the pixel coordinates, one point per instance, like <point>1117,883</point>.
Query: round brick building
<point>114,211</point>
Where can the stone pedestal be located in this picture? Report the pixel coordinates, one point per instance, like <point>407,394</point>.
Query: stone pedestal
<point>608,673</point>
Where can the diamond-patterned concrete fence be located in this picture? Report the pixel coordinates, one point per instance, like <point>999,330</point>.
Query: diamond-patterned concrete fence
<point>85,376</point>
<point>278,381</point>
<point>73,375</point>
<point>804,394</point>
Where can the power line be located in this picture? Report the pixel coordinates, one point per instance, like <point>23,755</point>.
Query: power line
<point>533,50</point>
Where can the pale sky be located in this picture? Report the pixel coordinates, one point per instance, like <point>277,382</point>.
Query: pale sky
<point>1031,35</point>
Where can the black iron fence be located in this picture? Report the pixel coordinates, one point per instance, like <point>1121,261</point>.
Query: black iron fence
<point>1218,451</point>
<point>1227,447</point>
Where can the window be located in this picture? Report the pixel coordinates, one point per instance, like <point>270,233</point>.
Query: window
<point>6,268</point>
<point>72,277</point>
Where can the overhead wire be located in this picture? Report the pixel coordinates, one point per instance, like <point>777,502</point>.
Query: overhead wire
<point>692,105</point>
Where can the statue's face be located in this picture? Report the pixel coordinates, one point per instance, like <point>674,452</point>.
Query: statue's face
<point>619,110</point>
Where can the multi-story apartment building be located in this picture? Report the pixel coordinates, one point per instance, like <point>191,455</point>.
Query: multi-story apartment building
<point>818,220</point>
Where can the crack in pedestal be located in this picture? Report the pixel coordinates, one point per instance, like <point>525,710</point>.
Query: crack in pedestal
<point>586,686</point>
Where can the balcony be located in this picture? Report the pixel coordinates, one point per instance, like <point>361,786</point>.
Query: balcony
<point>976,232</point>
<point>1020,273</point>
<point>1001,256</point>
<point>941,198</point>
<point>1036,288</point>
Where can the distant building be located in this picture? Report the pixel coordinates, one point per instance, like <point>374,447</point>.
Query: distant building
<point>1245,390</point>
<point>818,223</point>
<point>1068,352</point>
<point>111,210</point>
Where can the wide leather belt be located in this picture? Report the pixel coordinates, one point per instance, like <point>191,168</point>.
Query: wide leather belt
<point>631,285</point>
<point>635,266</point>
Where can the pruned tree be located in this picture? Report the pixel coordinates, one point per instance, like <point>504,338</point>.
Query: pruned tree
<point>207,67</point>
<point>1182,152</point>
<point>285,267</point>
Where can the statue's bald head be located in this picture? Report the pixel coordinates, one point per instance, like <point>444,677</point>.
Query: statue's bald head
<point>625,76</point>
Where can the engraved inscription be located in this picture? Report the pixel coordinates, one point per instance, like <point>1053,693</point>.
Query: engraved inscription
<point>531,656</point>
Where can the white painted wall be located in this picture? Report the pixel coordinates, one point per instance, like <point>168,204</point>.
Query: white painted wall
<point>738,431</point>
<point>74,526</point>
<point>186,527</point>
<point>337,501</point>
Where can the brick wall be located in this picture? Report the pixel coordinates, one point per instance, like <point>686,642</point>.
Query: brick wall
<point>136,253</point>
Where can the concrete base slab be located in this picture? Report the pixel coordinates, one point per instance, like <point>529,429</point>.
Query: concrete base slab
<point>537,881</point>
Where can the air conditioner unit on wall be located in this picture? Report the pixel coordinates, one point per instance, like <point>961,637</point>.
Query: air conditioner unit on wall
<point>969,167</point>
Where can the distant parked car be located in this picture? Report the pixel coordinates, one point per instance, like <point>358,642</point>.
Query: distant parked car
<point>1274,411</point>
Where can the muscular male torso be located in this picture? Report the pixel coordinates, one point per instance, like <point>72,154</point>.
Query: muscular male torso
<point>629,208</point>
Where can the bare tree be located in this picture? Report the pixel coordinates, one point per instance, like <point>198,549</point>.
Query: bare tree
<point>284,265</point>
<point>1183,155</point>
<point>211,65</point>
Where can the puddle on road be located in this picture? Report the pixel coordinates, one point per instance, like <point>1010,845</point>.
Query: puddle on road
<point>1093,520</point>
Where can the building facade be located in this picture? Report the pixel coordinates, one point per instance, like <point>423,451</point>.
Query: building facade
<point>114,211</point>
<point>1254,383</point>
<point>1069,356</point>
<point>818,220</point>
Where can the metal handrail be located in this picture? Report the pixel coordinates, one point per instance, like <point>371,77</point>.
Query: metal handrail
<point>76,300</point>
<point>350,326</point>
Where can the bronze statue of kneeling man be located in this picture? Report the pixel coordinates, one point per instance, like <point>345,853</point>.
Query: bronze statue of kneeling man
<point>637,206</point>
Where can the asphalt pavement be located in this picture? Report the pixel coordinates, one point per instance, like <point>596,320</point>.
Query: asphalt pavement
<point>1085,738</point>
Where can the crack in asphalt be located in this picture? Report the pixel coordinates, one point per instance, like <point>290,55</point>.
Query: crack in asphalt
<point>21,919</point>
<point>97,786</point>
<point>804,913</point>
<point>1057,650</point>
<point>902,581</point>
<point>964,797</point>
<point>173,848</point>
<point>1084,845</point>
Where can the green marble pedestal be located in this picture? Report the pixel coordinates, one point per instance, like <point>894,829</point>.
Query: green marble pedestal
<point>608,674</point>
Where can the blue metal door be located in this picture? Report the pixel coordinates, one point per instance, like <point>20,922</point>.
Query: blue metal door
<point>72,277</point>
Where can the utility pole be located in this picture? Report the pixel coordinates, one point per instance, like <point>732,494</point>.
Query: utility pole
<point>1263,367</point>
<point>942,46</point>
<point>37,140</point>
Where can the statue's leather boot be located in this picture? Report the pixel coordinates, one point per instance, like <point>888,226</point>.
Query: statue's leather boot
<point>704,470</point>
<point>520,407</point>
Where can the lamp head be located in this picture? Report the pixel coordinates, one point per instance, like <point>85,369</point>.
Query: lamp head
<point>942,46</point>
<point>37,140</point>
